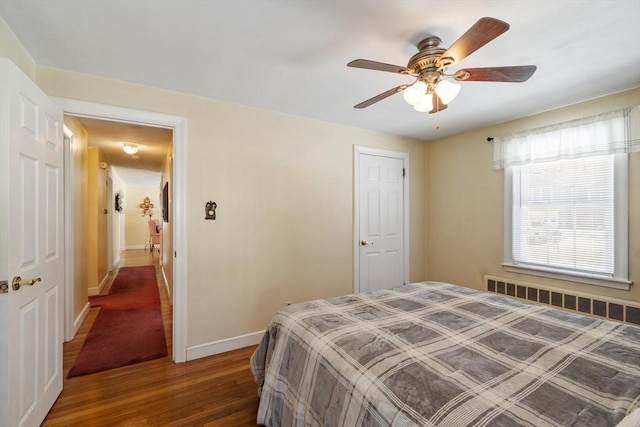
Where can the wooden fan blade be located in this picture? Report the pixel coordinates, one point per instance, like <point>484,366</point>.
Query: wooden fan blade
<point>380,97</point>
<point>438,105</point>
<point>516,74</point>
<point>378,66</point>
<point>481,33</point>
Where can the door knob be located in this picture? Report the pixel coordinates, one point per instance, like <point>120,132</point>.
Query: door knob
<point>19,281</point>
<point>366,243</point>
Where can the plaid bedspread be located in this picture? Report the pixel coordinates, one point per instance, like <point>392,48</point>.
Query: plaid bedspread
<point>435,354</point>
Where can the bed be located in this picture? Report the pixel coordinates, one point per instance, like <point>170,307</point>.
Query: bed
<point>436,354</point>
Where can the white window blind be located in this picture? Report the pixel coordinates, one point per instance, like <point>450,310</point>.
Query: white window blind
<point>563,215</point>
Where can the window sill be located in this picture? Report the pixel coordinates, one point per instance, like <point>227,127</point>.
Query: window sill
<point>591,279</point>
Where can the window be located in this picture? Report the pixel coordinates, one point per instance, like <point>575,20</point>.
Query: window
<point>566,199</point>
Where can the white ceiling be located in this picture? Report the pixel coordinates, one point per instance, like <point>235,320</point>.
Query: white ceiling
<point>290,55</point>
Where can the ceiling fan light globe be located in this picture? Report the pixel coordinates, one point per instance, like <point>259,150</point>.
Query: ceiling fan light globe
<point>425,104</point>
<point>447,91</point>
<point>413,94</point>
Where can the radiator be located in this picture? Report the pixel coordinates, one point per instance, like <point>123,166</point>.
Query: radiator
<point>581,302</point>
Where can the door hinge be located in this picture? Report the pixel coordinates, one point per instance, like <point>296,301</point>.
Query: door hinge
<point>4,286</point>
<point>404,172</point>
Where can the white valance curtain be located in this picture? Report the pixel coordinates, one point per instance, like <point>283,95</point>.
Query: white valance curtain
<point>616,132</point>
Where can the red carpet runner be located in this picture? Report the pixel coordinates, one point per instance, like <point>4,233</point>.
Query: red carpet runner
<point>128,328</point>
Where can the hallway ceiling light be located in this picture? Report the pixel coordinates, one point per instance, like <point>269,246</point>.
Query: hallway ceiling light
<point>130,148</point>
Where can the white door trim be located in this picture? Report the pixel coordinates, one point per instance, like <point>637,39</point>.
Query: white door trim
<point>70,326</point>
<point>179,126</point>
<point>357,151</point>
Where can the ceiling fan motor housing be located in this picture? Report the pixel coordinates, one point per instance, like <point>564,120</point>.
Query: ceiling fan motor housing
<point>428,65</point>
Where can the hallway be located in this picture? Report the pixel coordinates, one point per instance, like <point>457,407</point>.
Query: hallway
<point>128,258</point>
<point>217,390</point>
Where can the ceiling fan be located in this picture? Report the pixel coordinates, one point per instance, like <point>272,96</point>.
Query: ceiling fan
<point>431,92</point>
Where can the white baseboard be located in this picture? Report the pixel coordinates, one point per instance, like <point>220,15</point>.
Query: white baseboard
<point>166,286</point>
<point>97,290</point>
<point>78,321</point>
<point>135,247</point>
<point>221,346</point>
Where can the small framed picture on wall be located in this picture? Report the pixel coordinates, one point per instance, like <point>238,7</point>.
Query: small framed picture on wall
<point>165,202</point>
<point>119,202</point>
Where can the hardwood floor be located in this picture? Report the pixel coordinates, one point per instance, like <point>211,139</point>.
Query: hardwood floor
<point>213,391</point>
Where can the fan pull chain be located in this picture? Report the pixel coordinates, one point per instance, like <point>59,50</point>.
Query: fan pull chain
<point>437,124</point>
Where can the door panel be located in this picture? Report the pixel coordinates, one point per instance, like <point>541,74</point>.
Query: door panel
<point>52,346</point>
<point>27,231</point>
<point>371,269</point>
<point>373,214</point>
<point>381,222</point>
<point>31,247</point>
<point>393,218</point>
<point>51,211</point>
<point>28,324</point>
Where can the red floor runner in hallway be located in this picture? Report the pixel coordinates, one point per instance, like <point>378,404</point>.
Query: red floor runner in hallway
<point>128,328</point>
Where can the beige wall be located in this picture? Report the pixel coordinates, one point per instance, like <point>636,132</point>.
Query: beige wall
<point>92,219</point>
<point>136,233</point>
<point>465,203</point>
<point>79,153</point>
<point>97,255</point>
<point>283,185</point>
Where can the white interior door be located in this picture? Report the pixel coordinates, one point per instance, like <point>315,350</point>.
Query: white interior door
<point>31,247</point>
<point>380,222</point>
